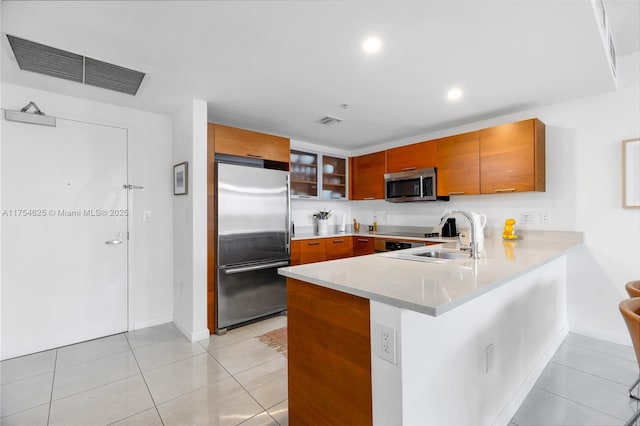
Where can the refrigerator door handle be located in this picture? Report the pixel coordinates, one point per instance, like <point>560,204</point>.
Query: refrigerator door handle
<point>287,243</point>
<point>255,267</point>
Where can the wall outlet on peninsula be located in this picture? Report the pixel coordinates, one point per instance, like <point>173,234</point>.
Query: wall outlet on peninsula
<point>385,342</point>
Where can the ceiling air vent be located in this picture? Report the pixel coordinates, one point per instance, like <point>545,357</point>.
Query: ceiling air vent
<point>54,62</point>
<point>46,60</point>
<point>327,120</point>
<point>112,77</point>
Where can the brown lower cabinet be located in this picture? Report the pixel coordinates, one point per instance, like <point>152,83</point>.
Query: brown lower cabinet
<point>363,245</point>
<point>329,357</point>
<point>312,251</point>
<point>337,247</point>
<point>330,248</point>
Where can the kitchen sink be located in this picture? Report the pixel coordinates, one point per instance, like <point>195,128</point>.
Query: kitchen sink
<point>442,254</point>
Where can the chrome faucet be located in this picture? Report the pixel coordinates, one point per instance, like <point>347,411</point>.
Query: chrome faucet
<point>473,240</point>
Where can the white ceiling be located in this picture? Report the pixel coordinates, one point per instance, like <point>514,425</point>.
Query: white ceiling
<point>279,66</point>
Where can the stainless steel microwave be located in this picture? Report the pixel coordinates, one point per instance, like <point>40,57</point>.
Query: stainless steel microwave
<point>410,185</point>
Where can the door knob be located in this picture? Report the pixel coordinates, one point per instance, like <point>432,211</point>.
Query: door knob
<point>113,242</point>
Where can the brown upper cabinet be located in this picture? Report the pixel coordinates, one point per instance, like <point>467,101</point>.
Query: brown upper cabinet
<point>512,157</point>
<point>459,164</point>
<point>247,143</point>
<point>367,176</point>
<point>411,157</point>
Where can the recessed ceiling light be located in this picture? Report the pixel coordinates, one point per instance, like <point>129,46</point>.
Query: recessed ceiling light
<point>371,45</point>
<point>454,94</point>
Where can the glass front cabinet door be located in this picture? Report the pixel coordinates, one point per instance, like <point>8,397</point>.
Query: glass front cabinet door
<point>334,177</point>
<point>318,176</point>
<point>304,174</point>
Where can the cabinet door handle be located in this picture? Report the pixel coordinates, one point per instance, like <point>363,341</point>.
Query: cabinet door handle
<point>338,241</point>
<point>362,240</point>
<point>406,169</point>
<point>457,193</point>
<point>314,243</point>
<point>505,190</point>
<point>254,155</point>
<point>369,198</point>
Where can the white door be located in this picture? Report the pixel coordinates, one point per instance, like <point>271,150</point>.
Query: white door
<point>64,234</point>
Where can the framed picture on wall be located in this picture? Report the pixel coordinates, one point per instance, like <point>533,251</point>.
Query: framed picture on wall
<point>181,178</point>
<point>631,173</point>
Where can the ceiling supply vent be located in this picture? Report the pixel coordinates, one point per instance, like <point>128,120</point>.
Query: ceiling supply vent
<point>54,62</point>
<point>327,120</point>
<point>112,77</point>
<point>46,60</point>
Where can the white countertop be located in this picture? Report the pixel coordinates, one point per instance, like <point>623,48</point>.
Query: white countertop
<point>308,236</point>
<point>435,287</point>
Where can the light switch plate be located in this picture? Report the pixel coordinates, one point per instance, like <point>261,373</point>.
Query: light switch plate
<point>529,218</point>
<point>146,216</point>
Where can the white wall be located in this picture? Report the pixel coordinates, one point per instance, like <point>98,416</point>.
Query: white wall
<point>190,222</point>
<point>150,157</point>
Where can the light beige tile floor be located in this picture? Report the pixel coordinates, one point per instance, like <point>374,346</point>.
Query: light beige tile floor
<point>153,376</point>
<point>156,377</point>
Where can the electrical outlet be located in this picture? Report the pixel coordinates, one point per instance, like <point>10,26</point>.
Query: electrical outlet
<point>529,218</point>
<point>545,217</point>
<point>488,358</point>
<point>385,343</point>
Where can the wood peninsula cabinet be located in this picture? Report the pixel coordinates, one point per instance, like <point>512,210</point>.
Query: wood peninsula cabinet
<point>367,176</point>
<point>412,157</point>
<point>459,164</point>
<point>247,143</point>
<point>512,157</point>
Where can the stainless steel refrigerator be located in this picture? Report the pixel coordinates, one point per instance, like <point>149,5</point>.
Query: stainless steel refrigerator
<point>252,210</point>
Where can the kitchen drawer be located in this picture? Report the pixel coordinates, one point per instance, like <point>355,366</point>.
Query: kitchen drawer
<point>312,251</point>
<point>363,245</point>
<point>338,247</point>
